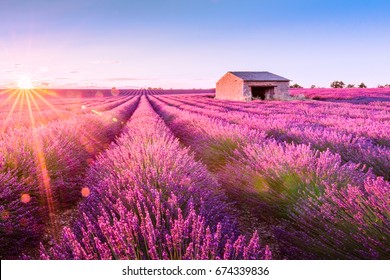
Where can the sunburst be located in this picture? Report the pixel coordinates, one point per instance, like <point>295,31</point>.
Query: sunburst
<point>24,100</point>
<point>25,82</point>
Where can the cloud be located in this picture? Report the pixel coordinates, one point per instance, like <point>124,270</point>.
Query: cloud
<point>74,72</point>
<point>44,84</point>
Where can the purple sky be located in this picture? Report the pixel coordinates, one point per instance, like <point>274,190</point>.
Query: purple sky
<point>192,43</point>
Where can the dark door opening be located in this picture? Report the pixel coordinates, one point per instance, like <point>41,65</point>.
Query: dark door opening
<point>262,92</point>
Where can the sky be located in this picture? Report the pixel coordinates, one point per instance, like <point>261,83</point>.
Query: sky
<point>192,43</point>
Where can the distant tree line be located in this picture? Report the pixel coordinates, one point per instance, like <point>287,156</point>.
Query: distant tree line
<point>295,86</point>
<point>341,84</point>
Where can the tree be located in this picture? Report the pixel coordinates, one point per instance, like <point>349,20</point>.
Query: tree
<point>350,86</point>
<point>362,85</point>
<point>295,86</point>
<point>337,84</point>
<point>313,86</point>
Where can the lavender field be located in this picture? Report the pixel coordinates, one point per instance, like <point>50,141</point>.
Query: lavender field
<point>159,174</point>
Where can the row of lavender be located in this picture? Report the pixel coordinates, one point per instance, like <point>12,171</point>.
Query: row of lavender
<point>343,118</point>
<point>356,95</point>
<point>303,123</point>
<point>179,92</point>
<point>42,171</point>
<point>149,199</point>
<point>17,115</point>
<point>321,205</point>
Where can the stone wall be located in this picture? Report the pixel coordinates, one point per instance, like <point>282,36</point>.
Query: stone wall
<point>229,87</point>
<point>282,91</point>
<point>248,90</point>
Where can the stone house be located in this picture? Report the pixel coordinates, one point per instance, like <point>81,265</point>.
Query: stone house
<point>247,86</point>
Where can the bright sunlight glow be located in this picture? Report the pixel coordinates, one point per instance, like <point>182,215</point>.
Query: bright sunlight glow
<point>24,83</point>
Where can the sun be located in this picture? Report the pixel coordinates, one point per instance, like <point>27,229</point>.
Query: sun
<point>24,83</point>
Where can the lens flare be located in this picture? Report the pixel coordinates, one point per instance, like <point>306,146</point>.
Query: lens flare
<point>85,192</point>
<point>4,215</point>
<point>25,198</point>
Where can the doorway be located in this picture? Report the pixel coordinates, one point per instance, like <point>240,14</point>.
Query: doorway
<point>262,92</point>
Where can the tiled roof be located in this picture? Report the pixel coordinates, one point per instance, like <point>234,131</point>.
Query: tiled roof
<point>258,76</point>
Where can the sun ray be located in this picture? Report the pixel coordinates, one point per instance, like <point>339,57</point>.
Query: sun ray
<point>27,105</point>
<point>16,97</point>
<point>10,113</point>
<point>11,94</point>
<point>38,109</point>
<point>23,105</point>
<point>5,91</point>
<point>44,178</point>
<point>47,103</point>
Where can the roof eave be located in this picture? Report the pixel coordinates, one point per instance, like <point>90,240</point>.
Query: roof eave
<point>266,80</point>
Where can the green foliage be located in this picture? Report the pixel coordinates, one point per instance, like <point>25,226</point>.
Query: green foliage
<point>362,85</point>
<point>295,86</point>
<point>216,154</point>
<point>337,84</point>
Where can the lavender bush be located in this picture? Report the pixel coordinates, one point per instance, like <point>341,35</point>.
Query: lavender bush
<point>48,163</point>
<point>158,203</point>
<point>296,183</point>
<point>191,177</point>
